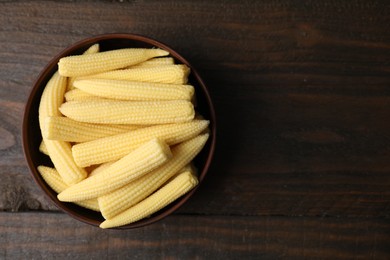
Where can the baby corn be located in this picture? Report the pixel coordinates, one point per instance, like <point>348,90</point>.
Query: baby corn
<point>133,90</point>
<point>54,180</point>
<point>129,112</point>
<point>43,148</point>
<point>65,129</point>
<point>173,74</point>
<point>114,147</point>
<point>139,162</point>
<point>100,168</point>
<point>114,116</point>
<point>119,200</point>
<point>93,49</point>
<point>82,65</point>
<point>173,190</point>
<point>52,97</point>
<point>60,152</point>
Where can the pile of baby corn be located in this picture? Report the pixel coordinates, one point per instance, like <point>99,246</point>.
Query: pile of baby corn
<point>121,131</point>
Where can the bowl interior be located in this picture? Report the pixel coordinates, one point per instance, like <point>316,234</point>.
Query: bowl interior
<point>32,136</point>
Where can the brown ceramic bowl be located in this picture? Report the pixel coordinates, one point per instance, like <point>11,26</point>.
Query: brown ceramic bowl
<point>32,136</point>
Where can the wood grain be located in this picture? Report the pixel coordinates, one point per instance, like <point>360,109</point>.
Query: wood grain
<point>301,92</point>
<point>195,237</point>
<point>302,95</point>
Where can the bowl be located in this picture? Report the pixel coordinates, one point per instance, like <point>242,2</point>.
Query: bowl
<point>32,135</point>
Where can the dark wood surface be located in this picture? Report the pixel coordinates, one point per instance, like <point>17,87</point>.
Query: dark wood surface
<point>302,94</point>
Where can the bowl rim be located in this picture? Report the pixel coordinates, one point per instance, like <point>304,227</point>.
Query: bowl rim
<point>49,70</point>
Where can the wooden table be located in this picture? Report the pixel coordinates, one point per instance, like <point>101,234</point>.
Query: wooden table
<point>302,94</point>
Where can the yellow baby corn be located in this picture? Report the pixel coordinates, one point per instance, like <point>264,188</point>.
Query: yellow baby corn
<point>61,155</point>
<point>54,180</point>
<point>129,112</point>
<point>81,65</point>
<point>79,95</point>
<point>134,90</point>
<point>91,204</point>
<point>100,168</point>
<point>60,152</point>
<point>137,163</point>
<point>115,147</point>
<point>190,168</point>
<point>155,62</point>
<point>43,148</point>
<point>173,190</point>
<point>119,200</point>
<point>173,74</point>
<point>52,97</point>
<point>93,49</point>
<point>66,129</point>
